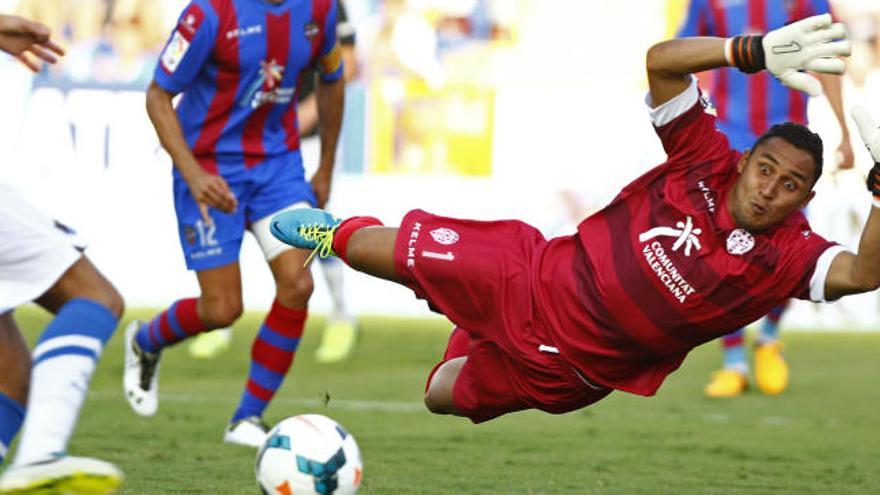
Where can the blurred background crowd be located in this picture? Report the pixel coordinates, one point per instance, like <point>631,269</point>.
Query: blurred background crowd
<point>483,108</point>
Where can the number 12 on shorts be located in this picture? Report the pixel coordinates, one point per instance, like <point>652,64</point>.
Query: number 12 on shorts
<point>206,233</point>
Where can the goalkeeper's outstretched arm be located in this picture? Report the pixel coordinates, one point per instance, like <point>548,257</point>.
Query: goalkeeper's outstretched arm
<point>812,44</point>
<point>860,272</point>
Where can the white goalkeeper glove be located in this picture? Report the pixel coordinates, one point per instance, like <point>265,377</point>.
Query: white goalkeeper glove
<point>813,44</point>
<point>871,136</point>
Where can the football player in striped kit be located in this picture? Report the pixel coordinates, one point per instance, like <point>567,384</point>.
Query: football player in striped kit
<point>234,142</point>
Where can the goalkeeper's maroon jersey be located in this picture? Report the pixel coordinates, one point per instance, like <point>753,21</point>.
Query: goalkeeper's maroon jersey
<point>664,268</point>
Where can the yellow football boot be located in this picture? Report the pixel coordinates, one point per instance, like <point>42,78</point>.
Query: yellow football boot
<point>65,475</point>
<point>771,370</point>
<point>338,341</point>
<point>208,345</point>
<point>726,383</point>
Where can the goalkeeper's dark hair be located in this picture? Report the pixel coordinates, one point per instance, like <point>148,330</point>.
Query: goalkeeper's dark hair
<point>800,137</point>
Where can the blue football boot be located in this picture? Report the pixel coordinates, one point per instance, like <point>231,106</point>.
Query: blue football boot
<point>307,228</point>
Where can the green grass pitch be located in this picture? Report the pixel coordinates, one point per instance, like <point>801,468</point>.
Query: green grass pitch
<point>821,436</point>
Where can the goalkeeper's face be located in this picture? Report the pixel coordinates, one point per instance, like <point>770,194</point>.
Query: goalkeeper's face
<point>776,179</point>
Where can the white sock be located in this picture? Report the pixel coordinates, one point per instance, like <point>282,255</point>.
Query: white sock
<point>57,391</point>
<point>334,274</point>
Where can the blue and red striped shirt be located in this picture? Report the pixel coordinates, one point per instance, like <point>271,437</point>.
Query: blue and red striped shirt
<point>749,104</point>
<point>237,63</point>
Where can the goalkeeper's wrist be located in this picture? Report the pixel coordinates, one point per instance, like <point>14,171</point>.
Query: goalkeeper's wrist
<point>874,184</point>
<point>746,53</point>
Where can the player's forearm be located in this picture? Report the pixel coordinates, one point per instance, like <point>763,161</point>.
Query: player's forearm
<point>167,126</point>
<point>833,88</point>
<point>307,114</point>
<point>670,63</point>
<point>331,103</point>
<point>866,265</point>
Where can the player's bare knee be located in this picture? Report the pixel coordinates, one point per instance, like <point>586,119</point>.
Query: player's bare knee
<point>438,398</point>
<point>296,289</point>
<point>218,312</point>
<point>435,404</point>
<point>83,281</point>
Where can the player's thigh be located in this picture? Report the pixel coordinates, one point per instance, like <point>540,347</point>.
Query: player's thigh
<point>485,383</point>
<point>277,185</point>
<point>15,360</point>
<point>212,243</point>
<point>36,250</point>
<point>477,273</point>
<point>220,303</point>
<point>273,249</point>
<point>82,281</point>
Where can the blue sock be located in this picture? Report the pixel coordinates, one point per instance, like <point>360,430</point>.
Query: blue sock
<point>734,351</point>
<point>85,326</point>
<point>770,326</point>
<point>11,417</point>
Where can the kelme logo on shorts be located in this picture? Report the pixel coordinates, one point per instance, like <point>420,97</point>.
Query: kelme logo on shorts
<point>445,236</point>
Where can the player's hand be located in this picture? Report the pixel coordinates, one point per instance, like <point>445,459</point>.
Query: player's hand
<point>211,190</point>
<point>321,185</point>
<point>27,41</point>
<point>871,137</point>
<point>813,44</point>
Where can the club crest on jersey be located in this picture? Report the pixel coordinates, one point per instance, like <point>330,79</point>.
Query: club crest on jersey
<point>445,236</point>
<point>191,20</point>
<point>311,30</point>
<point>740,242</point>
<point>266,87</point>
<point>684,232</point>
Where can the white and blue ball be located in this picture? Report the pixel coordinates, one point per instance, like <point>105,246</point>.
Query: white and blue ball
<point>309,454</point>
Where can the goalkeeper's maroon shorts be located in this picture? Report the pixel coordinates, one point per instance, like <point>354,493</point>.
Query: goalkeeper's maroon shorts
<point>481,276</point>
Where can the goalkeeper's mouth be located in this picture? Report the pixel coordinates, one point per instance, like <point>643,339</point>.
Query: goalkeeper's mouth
<point>758,210</point>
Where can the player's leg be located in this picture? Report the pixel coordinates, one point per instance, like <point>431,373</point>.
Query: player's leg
<point>87,309</point>
<point>211,249</point>
<point>42,259</point>
<point>362,242</point>
<point>274,348</point>
<point>369,248</point>
<point>441,381</point>
<point>218,306</point>
<point>730,380</point>
<point>340,332</point>
<point>15,371</point>
<point>771,370</point>
<point>438,398</point>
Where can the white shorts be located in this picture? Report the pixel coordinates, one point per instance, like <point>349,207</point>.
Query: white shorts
<point>34,253</point>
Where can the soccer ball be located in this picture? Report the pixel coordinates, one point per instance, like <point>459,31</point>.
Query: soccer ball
<point>309,454</point>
